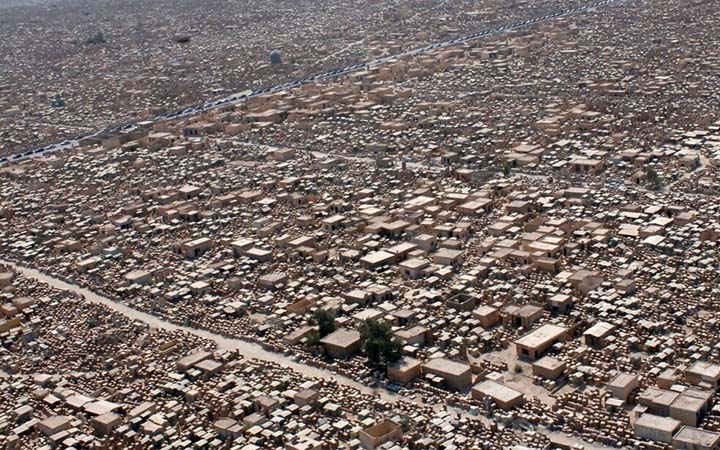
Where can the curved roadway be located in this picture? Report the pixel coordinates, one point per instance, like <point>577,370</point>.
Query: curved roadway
<point>255,351</point>
<point>247,349</point>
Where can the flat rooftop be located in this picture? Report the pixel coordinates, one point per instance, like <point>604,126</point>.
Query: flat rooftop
<point>698,437</point>
<point>343,337</point>
<point>497,391</point>
<point>542,335</point>
<point>446,366</point>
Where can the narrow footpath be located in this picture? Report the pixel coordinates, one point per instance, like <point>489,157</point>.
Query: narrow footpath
<point>247,349</point>
<point>252,350</point>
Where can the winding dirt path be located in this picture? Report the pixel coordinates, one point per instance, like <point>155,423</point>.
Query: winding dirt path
<point>252,350</point>
<point>247,349</point>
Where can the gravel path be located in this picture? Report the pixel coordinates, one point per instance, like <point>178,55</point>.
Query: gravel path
<point>255,351</point>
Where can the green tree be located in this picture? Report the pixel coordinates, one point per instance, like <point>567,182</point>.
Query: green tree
<point>313,339</point>
<point>506,169</point>
<point>325,320</point>
<point>58,102</point>
<point>381,346</point>
<point>653,177</point>
<point>96,39</point>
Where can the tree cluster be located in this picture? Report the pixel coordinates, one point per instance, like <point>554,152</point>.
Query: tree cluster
<point>381,346</point>
<point>325,321</point>
<point>96,39</point>
<point>653,178</point>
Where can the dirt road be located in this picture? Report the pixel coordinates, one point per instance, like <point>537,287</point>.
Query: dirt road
<point>247,349</point>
